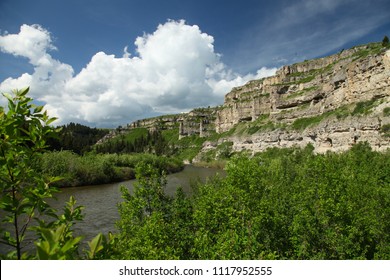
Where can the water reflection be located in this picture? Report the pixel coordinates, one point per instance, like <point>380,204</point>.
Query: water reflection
<point>101,201</point>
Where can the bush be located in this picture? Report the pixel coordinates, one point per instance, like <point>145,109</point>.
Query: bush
<point>280,204</point>
<point>303,123</point>
<point>386,111</point>
<point>385,130</point>
<point>93,169</point>
<point>363,107</point>
<point>24,130</point>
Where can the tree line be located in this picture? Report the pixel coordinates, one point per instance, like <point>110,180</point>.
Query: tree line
<point>146,142</point>
<point>76,137</point>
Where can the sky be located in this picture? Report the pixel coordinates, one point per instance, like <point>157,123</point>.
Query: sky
<point>106,63</point>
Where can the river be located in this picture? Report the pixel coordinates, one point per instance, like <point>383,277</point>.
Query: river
<point>101,201</point>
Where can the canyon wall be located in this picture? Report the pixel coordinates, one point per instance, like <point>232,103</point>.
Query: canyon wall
<point>345,96</point>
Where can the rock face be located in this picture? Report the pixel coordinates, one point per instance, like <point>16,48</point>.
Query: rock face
<point>199,121</point>
<point>330,135</point>
<point>344,95</point>
<point>332,103</point>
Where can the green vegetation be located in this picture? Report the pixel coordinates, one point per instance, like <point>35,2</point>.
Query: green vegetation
<point>360,108</point>
<point>24,130</point>
<point>369,49</point>
<point>137,140</point>
<point>92,169</point>
<point>385,41</point>
<point>164,143</point>
<point>76,137</point>
<point>306,78</point>
<point>188,147</point>
<point>153,225</point>
<point>302,92</point>
<point>217,157</point>
<point>280,204</point>
<point>365,107</point>
<point>265,126</point>
<point>386,111</point>
<point>385,130</point>
<point>303,123</point>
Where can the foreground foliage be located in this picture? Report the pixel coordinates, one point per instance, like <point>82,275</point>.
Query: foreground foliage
<point>281,204</point>
<point>24,129</point>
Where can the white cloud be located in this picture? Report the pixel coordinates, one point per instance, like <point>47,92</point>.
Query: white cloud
<point>32,42</point>
<point>176,69</point>
<point>222,86</point>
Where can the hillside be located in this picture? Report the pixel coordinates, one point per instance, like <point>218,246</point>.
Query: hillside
<point>332,103</point>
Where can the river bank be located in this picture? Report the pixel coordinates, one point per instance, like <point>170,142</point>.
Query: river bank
<point>96,169</point>
<point>100,201</point>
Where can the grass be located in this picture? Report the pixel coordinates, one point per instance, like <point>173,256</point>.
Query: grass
<point>135,134</point>
<point>189,147</point>
<point>171,135</point>
<point>303,123</point>
<point>302,92</point>
<point>304,80</point>
<point>365,107</point>
<point>370,49</point>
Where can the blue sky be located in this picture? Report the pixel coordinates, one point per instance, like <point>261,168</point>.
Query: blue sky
<point>109,62</point>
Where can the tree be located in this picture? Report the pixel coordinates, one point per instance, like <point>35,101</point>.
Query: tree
<point>144,214</point>
<point>23,129</point>
<point>385,41</point>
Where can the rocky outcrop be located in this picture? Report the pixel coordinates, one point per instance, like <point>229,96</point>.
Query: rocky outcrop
<point>330,135</point>
<point>329,91</point>
<point>199,121</point>
<point>310,88</point>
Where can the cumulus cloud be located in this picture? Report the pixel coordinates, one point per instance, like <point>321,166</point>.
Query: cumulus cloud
<point>175,69</point>
<point>32,42</point>
<point>50,75</point>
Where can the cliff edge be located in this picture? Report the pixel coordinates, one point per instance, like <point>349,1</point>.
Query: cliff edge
<point>331,103</point>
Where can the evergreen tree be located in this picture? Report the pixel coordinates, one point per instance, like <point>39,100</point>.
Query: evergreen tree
<point>385,41</point>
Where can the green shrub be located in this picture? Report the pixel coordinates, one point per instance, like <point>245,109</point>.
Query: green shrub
<point>363,107</point>
<point>386,111</point>
<point>24,131</point>
<point>94,169</point>
<point>302,123</point>
<point>385,129</point>
<point>385,41</point>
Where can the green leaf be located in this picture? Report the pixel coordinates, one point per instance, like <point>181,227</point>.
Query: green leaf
<point>24,91</point>
<point>8,96</point>
<point>70,244</point>
<point>95,246</point>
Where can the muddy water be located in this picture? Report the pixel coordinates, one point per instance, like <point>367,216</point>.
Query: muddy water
<point>101,201</point>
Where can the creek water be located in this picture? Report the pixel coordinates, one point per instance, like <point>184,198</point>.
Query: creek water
<point>100,201</point>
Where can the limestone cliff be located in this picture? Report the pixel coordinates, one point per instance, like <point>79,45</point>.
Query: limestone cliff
<point>331,102</point>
